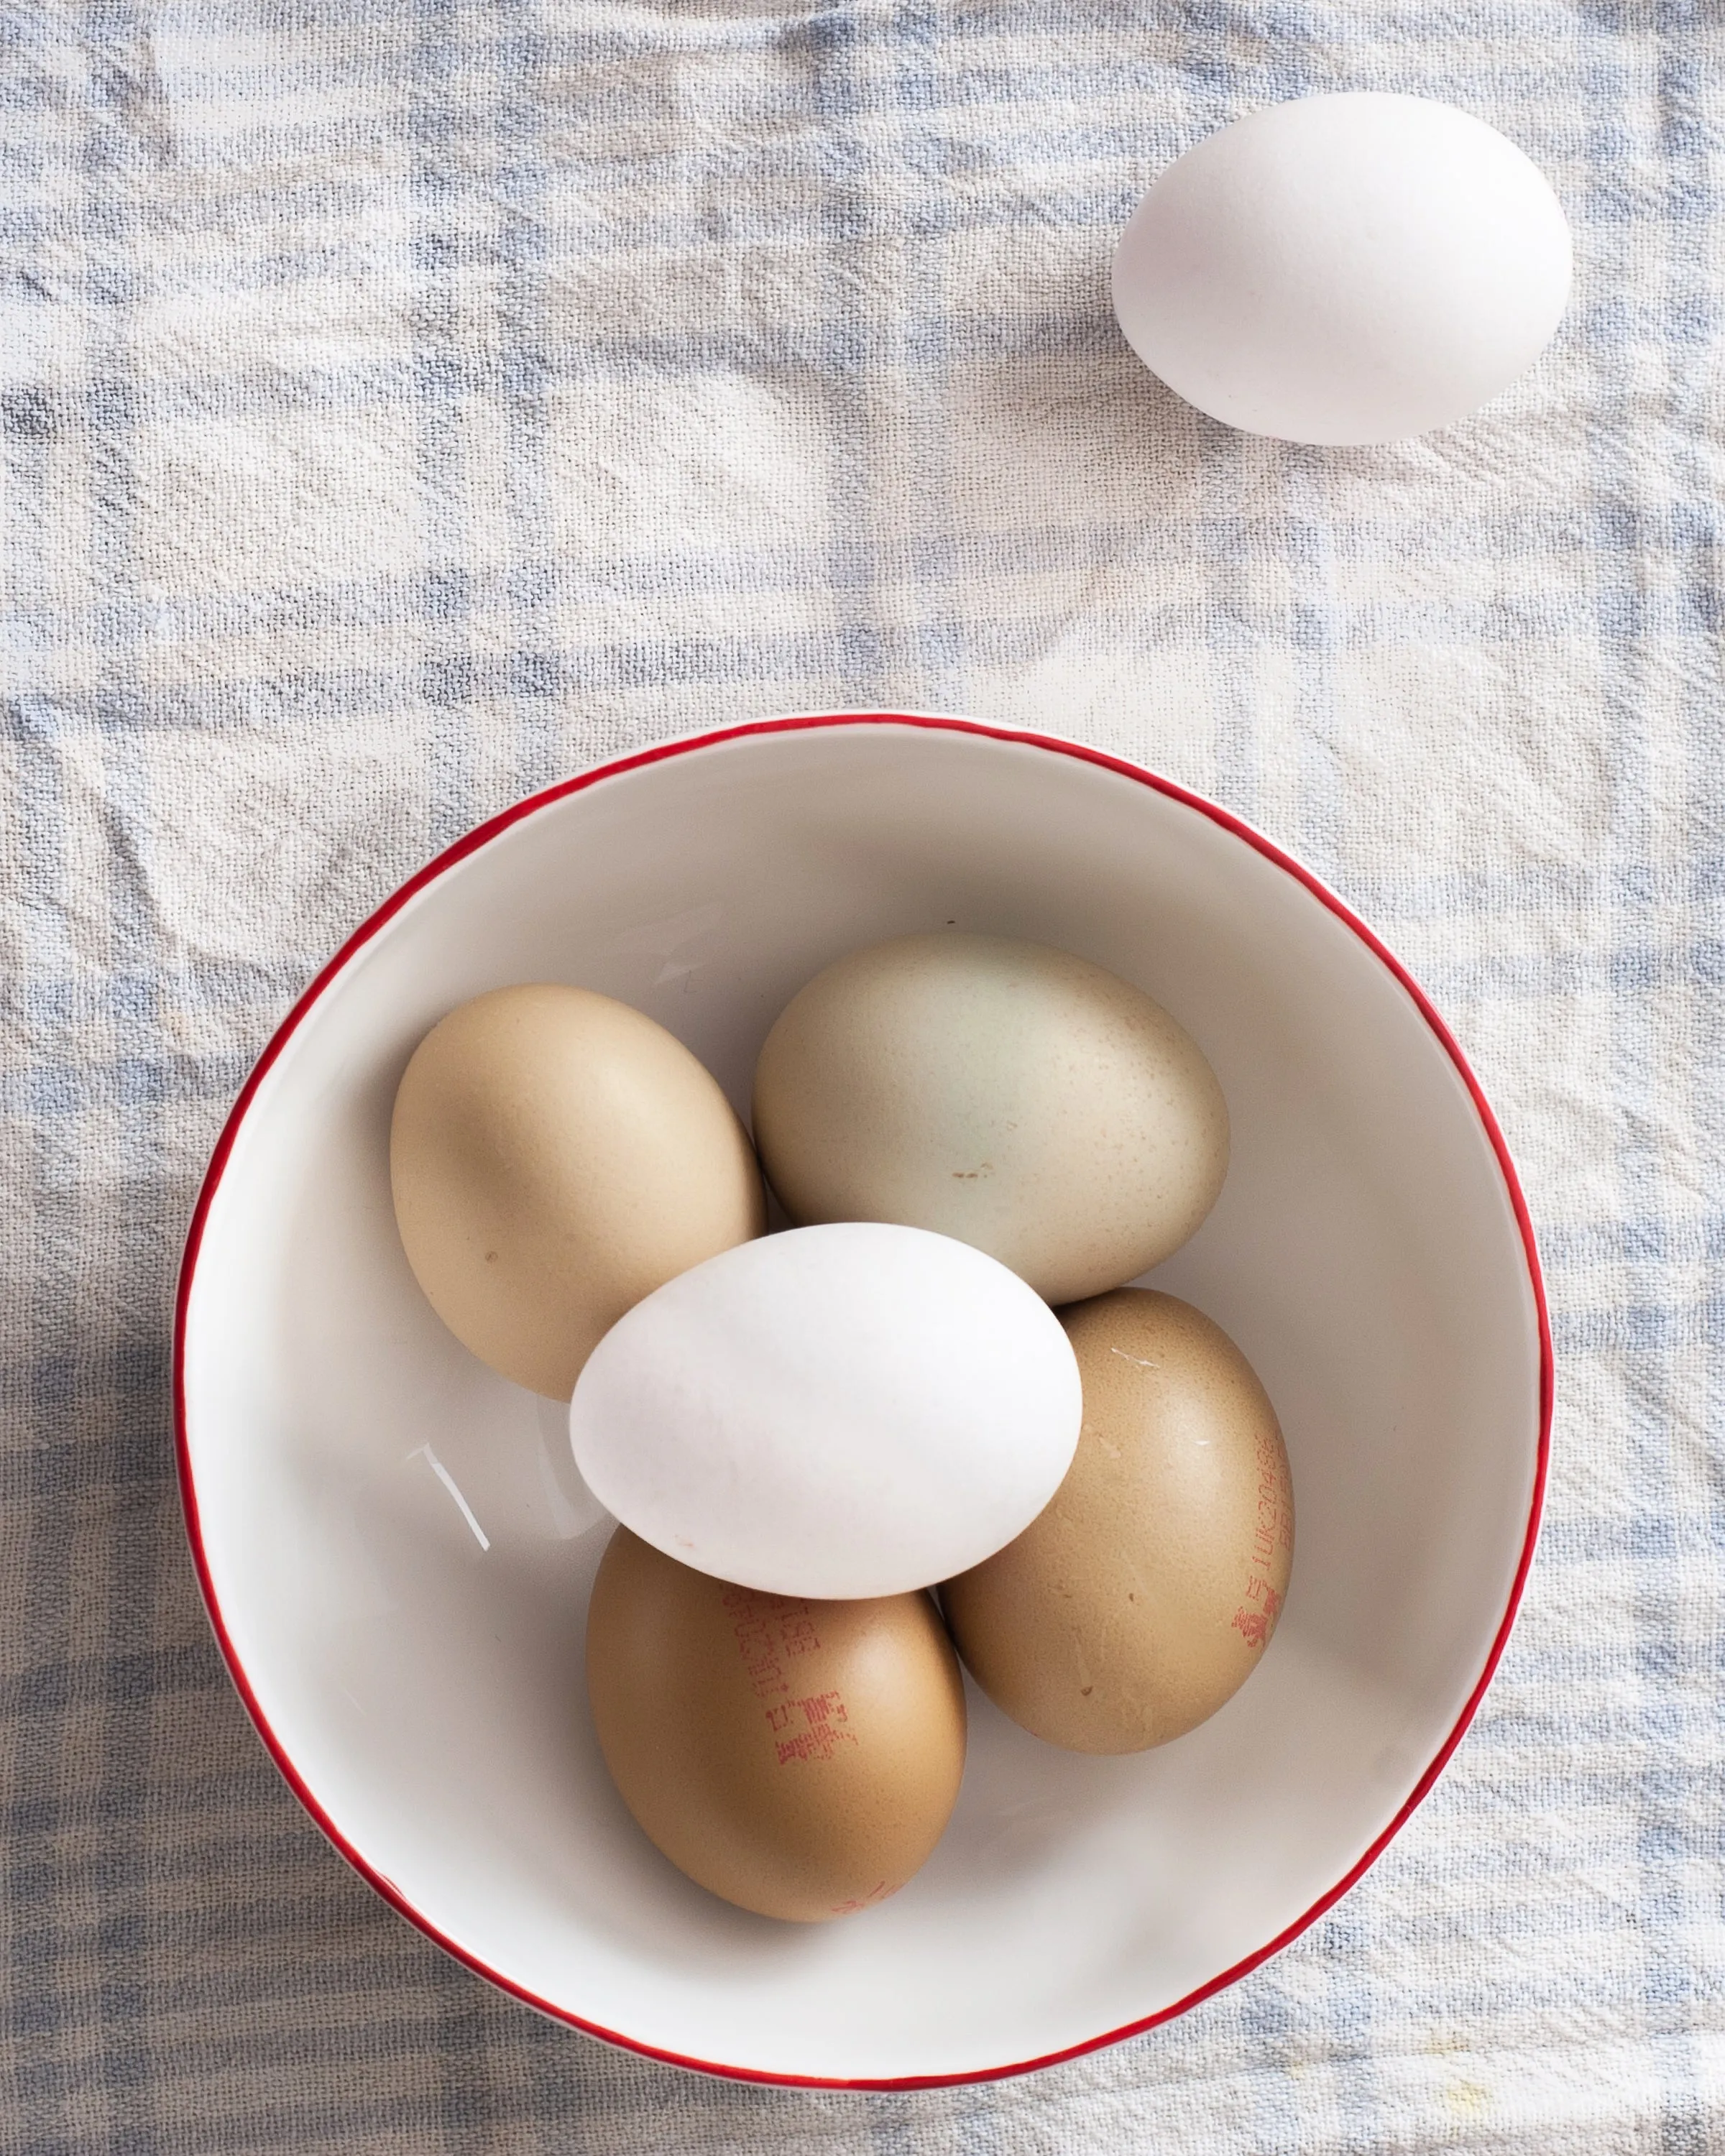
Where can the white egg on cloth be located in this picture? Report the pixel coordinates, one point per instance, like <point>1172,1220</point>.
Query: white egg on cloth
<point>1352,268</point>
<point>834,1412</point>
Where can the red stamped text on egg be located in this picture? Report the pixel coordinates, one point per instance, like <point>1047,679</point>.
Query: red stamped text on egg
<point>1272,1530</point>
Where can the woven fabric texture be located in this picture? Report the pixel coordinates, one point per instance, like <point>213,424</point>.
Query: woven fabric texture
<point>407,402</point>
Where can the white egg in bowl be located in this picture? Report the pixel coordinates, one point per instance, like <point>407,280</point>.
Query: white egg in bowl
<point>396,1550</point>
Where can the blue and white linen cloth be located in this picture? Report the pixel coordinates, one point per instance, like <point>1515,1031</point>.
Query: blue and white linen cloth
<point>406,402</point>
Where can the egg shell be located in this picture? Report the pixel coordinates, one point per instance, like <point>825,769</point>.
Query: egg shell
<point>1357,267</point>
<point>840,1411</point>
<point>1013,1096</point>
<point>555,1156</point>
<point>797,1758</point>
<point>1144,1597</point>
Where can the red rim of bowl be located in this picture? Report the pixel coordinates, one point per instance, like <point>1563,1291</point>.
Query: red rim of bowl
<point>481,835</point>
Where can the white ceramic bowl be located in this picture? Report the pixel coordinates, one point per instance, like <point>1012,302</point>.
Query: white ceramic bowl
<point>396,1553</point>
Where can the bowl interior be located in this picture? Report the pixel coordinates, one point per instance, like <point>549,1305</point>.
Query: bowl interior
<point>399,1553</point>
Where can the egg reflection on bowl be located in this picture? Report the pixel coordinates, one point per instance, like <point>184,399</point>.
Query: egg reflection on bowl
<point>396,1553</point>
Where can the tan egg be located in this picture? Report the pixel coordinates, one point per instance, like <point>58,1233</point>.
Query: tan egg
<point>1010,1096</point>
<point>1143,1596</point>
<point>799,1758</point>
<point>555,1156</point>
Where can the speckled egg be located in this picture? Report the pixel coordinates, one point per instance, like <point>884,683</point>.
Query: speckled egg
<point>1013,1096</point>
<point>1143,1596</point>
<point>555,1156</point>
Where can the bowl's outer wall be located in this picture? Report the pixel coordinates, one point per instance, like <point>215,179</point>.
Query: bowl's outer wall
<point>395,1557</point>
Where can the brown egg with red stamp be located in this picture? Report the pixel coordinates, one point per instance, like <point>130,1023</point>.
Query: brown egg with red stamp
<point>1142,1597</point>
<point>799,1758</point>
